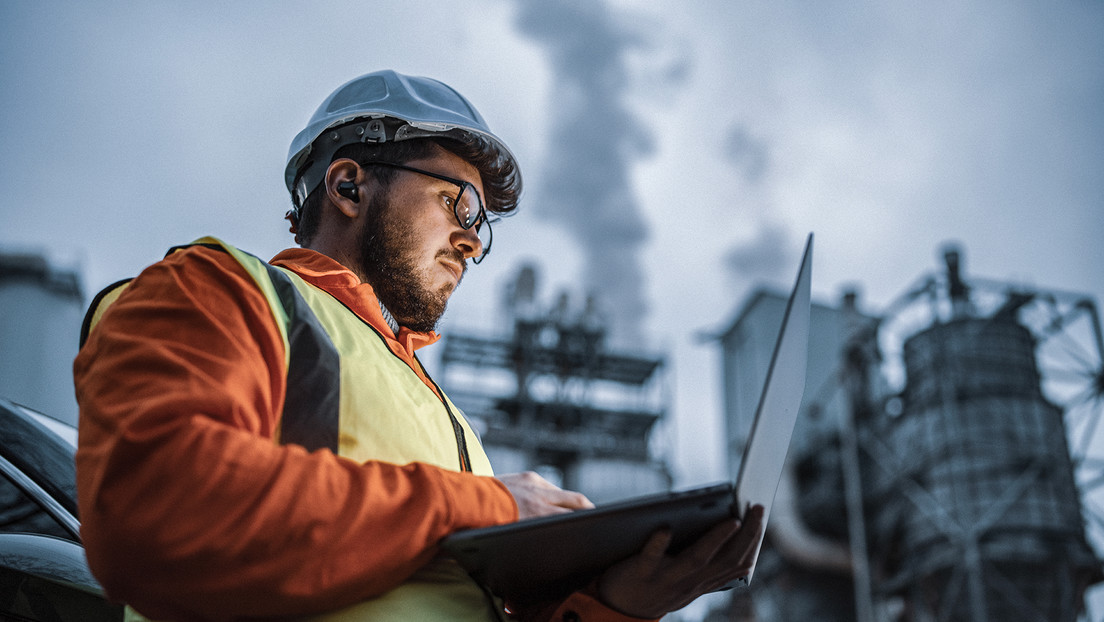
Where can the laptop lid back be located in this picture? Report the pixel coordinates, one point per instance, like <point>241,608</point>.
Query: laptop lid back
<point>769,438</point>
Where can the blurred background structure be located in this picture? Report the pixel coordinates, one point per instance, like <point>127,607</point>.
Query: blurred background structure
<point>675,155</point>
<point>943,468</point>
<point>551,395</point>
<point>41,308</point>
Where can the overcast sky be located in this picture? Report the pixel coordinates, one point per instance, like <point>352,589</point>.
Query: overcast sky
<point>675,153</point>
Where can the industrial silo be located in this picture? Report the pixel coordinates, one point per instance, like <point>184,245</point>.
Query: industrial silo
<point>982,519</point>
<point>41,307</point>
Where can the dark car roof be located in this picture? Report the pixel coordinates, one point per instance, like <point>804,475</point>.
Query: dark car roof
<point>43,457</point>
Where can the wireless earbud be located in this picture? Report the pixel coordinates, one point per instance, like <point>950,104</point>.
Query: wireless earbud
<point>349,190</point>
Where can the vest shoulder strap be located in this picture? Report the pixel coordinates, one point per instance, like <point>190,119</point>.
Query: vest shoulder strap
<point>311,413</point>
<point>99,304</point>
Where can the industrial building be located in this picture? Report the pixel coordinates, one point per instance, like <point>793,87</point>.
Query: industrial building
<point>547,393</point>
<point>41,308</point>
<point>942,468</point>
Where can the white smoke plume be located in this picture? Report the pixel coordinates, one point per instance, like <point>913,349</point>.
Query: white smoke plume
<point>767,256</point>
<point>595,138</point>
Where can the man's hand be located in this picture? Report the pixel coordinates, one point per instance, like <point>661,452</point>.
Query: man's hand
<point>536,496</point>
<point>653,583</point>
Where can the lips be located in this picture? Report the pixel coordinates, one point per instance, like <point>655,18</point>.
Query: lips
<point>456,269</point>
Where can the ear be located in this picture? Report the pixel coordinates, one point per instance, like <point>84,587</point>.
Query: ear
<point>341,171</point>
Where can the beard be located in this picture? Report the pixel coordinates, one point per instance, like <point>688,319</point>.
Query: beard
<point>389,261</point>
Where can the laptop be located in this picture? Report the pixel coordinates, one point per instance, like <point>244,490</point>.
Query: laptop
<point>546,558</point>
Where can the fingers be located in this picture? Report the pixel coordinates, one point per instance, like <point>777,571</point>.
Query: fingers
<point>652,582</point>
<point>571,499</point>
<point>752,530</point>
<point>708,546</point>
<point>536,496</point>
<point>726,551</point>
<point>740,550</point>
<point>656,546</point>
<point>543,502</point>
<point>530,478</point>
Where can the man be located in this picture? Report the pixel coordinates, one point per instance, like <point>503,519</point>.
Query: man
<point>259,440</point>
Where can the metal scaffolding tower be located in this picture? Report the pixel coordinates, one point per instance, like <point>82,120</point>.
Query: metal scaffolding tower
<point>550,395</point>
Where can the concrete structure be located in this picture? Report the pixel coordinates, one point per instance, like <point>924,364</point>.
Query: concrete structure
<point>41,308</point>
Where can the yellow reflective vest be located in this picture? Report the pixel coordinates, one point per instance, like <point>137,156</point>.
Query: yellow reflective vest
<point>348,392</point>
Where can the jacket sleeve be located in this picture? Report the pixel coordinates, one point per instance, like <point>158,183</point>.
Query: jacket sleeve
<point>189,508</point>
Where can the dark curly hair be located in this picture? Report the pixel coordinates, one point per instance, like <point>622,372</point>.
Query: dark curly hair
<point>499,174</point>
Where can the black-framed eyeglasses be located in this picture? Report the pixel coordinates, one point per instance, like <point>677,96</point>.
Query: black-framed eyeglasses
<point>467,206</point>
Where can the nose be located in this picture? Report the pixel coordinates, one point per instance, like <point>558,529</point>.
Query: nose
<point>467,242</point>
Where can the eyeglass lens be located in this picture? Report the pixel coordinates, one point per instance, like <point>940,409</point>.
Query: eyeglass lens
<point>470,214</point>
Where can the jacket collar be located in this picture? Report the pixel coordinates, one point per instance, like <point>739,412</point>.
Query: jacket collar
<point>335,279</point>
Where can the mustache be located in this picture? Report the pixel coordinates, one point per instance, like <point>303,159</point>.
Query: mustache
<point>454,255</point>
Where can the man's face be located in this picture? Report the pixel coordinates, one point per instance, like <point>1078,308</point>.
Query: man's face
<point>412,251</point>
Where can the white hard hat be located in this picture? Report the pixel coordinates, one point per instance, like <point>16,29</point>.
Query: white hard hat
<point>382,106</point>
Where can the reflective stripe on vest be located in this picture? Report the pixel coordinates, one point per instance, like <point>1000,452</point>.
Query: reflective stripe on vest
<point>311,414</point>
<point>312,402</point>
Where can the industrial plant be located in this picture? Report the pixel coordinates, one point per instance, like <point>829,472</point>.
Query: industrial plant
<point>946,465</point>
<point>943,465</point>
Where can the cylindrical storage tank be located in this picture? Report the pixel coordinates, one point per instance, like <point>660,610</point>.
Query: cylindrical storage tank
<point>985,480</point>
<point>970,358</point>
<point>605,479</point>
<point>41,309</point>
<point>1003,468</point>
